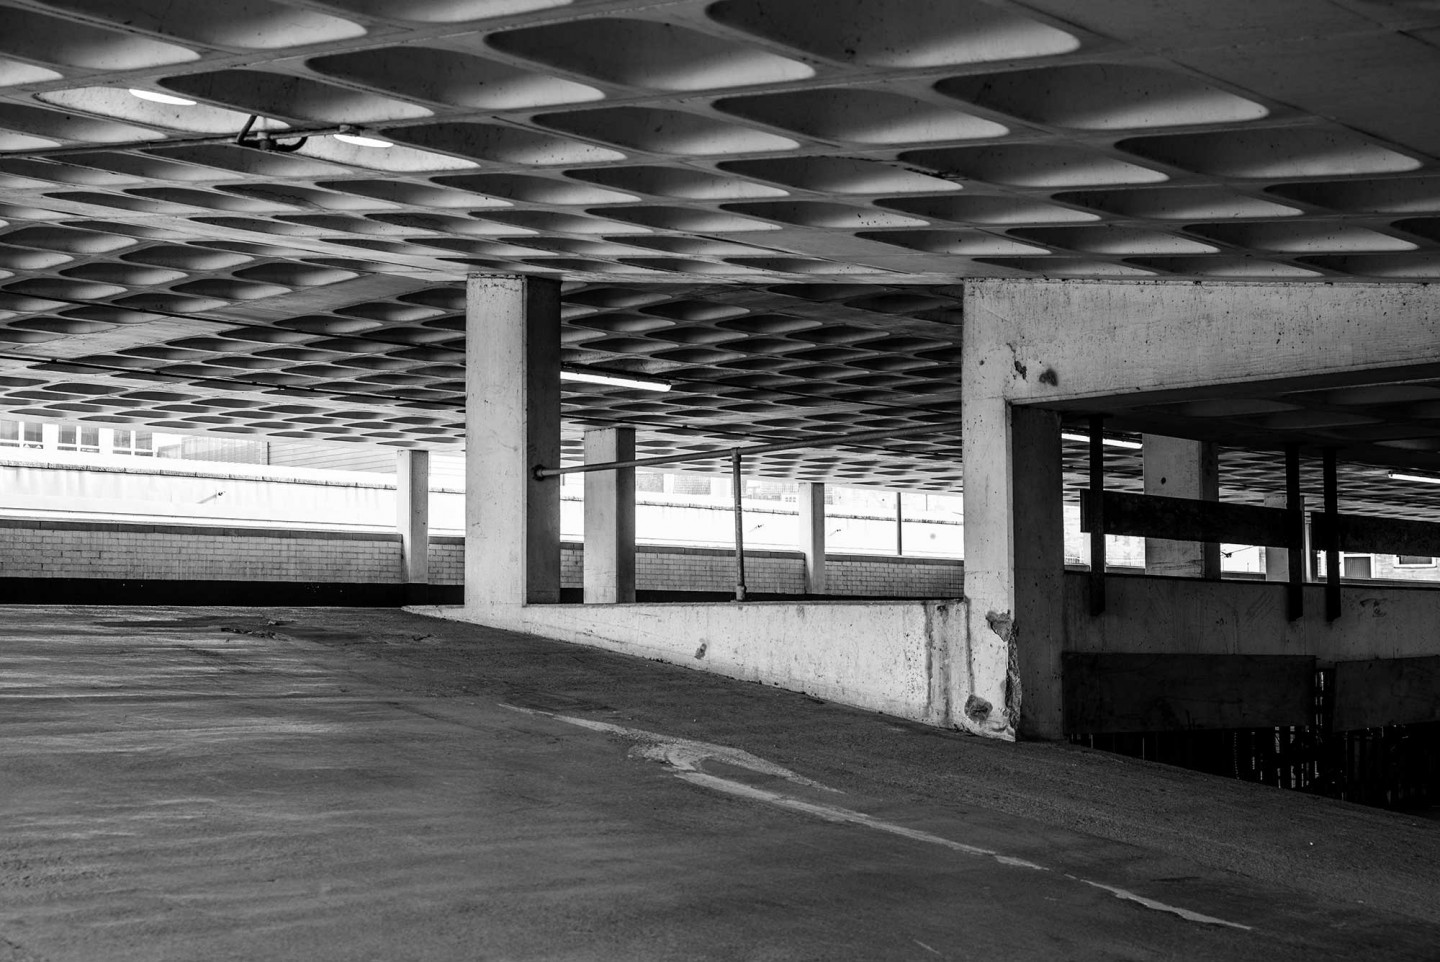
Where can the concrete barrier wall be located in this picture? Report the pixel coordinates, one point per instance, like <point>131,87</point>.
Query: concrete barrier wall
<point>1190,616</point>
<point>892,657</point>
<point>35,548</point>
<point>64,549</point>
<point>666,568</point>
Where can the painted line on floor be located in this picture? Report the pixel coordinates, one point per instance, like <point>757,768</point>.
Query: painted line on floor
<point>684,756</point>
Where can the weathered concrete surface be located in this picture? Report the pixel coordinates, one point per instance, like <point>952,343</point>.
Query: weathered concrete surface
<point>1155,615</point>
<point>412,513</point>
<point>904,658</point>
<point>512,424</point>
<point>609,518</point>
<point>1063,340</point>
<point>1181,468</point>
<point>346,784</point>
<point>1045,342</point>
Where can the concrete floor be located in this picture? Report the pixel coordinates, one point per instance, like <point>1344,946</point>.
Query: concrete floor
<point>363,784</point>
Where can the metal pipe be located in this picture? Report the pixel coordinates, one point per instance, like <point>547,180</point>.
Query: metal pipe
<point>1295,592</point>
<point>1097,514</point>
<point>1332,539</point>
<point>541,472</point>
<point>738,484</point>
<point>899,526</point>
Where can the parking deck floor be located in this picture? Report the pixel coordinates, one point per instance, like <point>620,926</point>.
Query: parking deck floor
<point>316,784</point>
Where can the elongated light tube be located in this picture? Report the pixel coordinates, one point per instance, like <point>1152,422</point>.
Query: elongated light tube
<point>160,98</point>
<point>1401,476</point>
<point>1108,442</point>
<point>614,380</point>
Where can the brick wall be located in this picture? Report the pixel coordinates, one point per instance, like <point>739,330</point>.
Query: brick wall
<point>769,572</point>
<point>74,549</point>
<point>83,549</point>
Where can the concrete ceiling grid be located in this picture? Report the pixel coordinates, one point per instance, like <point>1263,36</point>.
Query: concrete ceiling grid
<point>772,208</point>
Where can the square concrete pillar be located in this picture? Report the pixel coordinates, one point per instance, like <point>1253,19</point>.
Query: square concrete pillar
<point>1181,468</point>
<point>1014,568</point>
<point>512,425</point>
<point>812,536</point>
<point>1277,560</point>
<point>610,519</point>
<point>412,515</point>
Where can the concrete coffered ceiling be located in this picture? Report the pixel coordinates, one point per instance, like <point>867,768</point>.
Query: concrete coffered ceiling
<point>771,203</point>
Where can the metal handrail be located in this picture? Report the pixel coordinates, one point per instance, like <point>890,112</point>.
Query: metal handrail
<point>541,472</point>
<point>737,456</point>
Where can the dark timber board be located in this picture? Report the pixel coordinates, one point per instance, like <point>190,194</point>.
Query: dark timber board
<point>1184,519</point>
<point>1148,693</point>
<point>1386,691</point>
<point>1380,535</point>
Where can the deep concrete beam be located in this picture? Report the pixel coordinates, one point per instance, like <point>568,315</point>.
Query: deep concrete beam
<point>1065,340</point>
<point>610,518</point>
<point>412,513</point>
<point>512,424</point>
<point>1181,468</point>
<point>812,535</point>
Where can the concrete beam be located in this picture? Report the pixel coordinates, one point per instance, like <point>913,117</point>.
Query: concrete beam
<point>412,513</point>
<point>610,519</point>
<point>1065,340</point>
<point>512,413</point>
<point>1181,468</point>
<point>812,536</point>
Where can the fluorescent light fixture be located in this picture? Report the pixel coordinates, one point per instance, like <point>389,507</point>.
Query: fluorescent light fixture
<point>159,98</point>
<point>614,380</point>
<point>1401,476</point>
<point>362,141</point>
<point>1108,442</point>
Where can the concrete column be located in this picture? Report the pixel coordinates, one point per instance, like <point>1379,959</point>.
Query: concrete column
<point>610,519</point>
<point>1014,567</point>
<point>1181,468</point>
<point>1277,560</point>
<point>812,536</point>
<point>412,515</point>
<point>512,413</point>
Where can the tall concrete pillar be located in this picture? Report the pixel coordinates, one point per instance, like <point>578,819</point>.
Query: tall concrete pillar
<point>412,517</point>
<point>512,424</point>
<point>610,519</point>
<point>1181,468</point>
<point>812,536</point>
<point>1014,568</point>
<point>1277,560</point>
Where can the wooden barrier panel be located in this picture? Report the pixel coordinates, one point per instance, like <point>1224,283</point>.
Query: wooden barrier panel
<point>1186,519</point>
<point>1380,535</point>
<point>1386,691</point>
<point>1147,693</point>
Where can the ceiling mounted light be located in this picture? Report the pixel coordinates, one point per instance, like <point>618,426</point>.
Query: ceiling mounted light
<point>1108,442</point>
<point>1401,476</point>
<point>361,140</point>
<point>614,380</point>
<point>160,98</point>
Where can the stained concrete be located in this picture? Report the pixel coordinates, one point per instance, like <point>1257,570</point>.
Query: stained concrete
<point>350,784</point>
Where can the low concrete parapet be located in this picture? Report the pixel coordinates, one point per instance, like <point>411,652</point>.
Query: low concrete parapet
<point>901,658</point>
